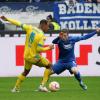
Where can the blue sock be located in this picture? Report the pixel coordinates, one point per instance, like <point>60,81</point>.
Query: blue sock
<point>78,77</point>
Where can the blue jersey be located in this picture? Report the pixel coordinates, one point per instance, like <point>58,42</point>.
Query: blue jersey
<point>66,48</point>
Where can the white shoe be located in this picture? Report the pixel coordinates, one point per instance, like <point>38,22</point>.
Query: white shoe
<point>43,89</point>
<point>15,89</point>
<point>84,87</point>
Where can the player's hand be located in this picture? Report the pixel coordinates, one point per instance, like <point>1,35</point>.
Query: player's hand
<point>3,18</point>
<point>51,46</point>
<point>98,30</point>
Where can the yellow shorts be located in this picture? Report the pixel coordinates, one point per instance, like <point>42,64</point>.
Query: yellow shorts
<point>41,62</point>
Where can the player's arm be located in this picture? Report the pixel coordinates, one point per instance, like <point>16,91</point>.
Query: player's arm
<point>56,40</point>
<point>41,48</point>
<point>15,22</point>
<point>89,35</point>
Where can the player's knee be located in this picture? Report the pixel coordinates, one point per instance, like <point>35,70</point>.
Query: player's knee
<point>70,72</point>
<point>49,66</point>
<point>74,70</point>
<point>26,72</point>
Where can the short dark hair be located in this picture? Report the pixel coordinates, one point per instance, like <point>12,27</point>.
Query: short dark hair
<point>43,21</point>
<point>50,17</point>
<point>65,31</point>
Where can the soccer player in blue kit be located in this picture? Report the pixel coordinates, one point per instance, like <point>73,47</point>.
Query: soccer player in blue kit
<point>67,59</point>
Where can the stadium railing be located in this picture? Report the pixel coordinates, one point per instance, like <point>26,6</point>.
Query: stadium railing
<point>50,33</point>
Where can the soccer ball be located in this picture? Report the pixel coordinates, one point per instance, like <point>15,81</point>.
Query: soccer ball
<point>54,86</point>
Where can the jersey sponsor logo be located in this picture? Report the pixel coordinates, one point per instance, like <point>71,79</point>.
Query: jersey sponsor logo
<point>68,46</point>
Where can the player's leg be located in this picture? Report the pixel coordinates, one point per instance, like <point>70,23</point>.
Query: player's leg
<point>77,75</point>
<point>44,63</point>
<point>22,76</point>
<point>51,69</point>
<point>47,73</point>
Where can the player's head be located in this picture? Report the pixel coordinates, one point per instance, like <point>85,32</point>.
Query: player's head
<point>44,25</point>
<point>64,34</point>
<point>49,18</point>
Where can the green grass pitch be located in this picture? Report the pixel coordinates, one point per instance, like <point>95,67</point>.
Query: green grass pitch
<point>70,90</point>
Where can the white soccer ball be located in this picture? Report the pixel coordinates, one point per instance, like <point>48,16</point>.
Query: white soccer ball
<point>54,86</point>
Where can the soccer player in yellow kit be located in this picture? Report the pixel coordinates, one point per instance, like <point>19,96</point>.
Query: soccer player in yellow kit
<point>33,47</point>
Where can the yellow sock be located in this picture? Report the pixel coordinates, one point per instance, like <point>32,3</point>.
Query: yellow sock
<point>46,76</point>
<point>20,79</point>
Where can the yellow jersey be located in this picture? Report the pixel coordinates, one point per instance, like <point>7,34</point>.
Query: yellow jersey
<point>34,40</point>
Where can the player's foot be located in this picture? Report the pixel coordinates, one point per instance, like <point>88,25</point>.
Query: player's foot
<point>84,87</point>
<point>15,89</point>
<point>43,89</point>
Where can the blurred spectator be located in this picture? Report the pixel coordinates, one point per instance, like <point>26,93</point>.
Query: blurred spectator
<point>45,0</point>
<point>37,0</point>
<point>40,0</point>
<point>93,1</point>
<point>28,0</point>
<point>14,0</point>
<point>53,25</point>
<point>82,1</point>
<point>98,1</point>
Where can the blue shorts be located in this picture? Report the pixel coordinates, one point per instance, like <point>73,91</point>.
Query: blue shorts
<point>60,66</point>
